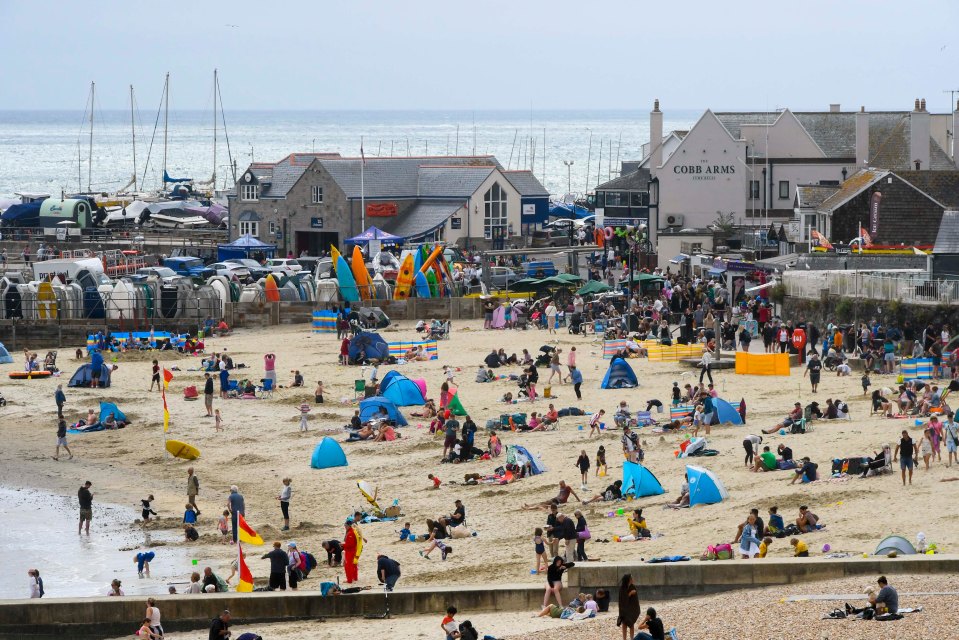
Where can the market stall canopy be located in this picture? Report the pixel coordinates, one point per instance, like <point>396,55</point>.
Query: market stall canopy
<point>593,287</point>
<point>375,233</point>
<point>242,247</point>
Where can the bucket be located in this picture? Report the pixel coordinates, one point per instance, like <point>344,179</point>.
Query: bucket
<point>547,391</point>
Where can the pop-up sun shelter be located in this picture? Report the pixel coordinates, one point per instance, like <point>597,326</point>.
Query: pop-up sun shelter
<point>5,357</point>
<point>639,482</point>
<point>370,346</point>
<point>704,486</point>
<point>898,544</point>
<point>402,391</point>
<point>372,406</point>
<point>726,413</point>
<point>328,453</point>
<point>82,376</point>
<point>521,456</point>
<point>108,408</point>
<point>619,376</point>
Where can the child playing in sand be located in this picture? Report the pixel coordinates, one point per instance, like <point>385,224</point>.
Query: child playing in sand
<point>582,462</point>
<point>304,416</point>
<point>318,392</point>
<point>594,423</point>
<point>189,515</point>
<point>145,633</point>
<point>147,510</point>
<point>493,445</point>
<point>217,420</point>
<point>405,532</point>
<point>190,533</point>
<point>601,460</point>
<point>539,548</point>
<point>436,481</point>
<point>224,527</point>
<point>764,546</point>
<point>450,372</point>
<point>800,549</point>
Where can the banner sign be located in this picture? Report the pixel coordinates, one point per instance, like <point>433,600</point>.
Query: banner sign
<point>874,212</point>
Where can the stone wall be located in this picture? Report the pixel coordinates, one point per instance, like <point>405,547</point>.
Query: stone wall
<point>845,310</point>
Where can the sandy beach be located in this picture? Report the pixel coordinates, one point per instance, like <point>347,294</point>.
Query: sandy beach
<point>262,444</point>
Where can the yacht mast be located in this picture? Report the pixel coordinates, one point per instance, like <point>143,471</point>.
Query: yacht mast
<point>133,130</point>
<point>90,154</point>
<point>214,130</point>
<point>166,122</point>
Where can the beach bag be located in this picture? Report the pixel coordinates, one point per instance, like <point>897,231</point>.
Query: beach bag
<point>709,553</point>
<point>190,393</point>
<point>724,552</point>
<point>584,534</point>
<point>459,532</point>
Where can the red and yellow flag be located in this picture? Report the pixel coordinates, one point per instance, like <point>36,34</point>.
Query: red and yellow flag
<point>821,240</point>
<point>245,532</point>
<point>246,576</point>
<point>167,376</point>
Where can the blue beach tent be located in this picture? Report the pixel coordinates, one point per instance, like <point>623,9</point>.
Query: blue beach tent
<point>110,408</point>
<point>522,455</point>
<point>371,406</point>
<point>402,391</point>
<point>371,345</point>
<point>82,376</point>
<point>704,486</point>
<point>328,453</point>
<point>725,412</point>
<point>5,357</point>
<point>619,376</point>
<point>639,481</point>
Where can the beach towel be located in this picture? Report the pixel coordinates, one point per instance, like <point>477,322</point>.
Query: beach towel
<point>662,559</point>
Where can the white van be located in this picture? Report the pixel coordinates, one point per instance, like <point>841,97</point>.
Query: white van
<point>66,269</point>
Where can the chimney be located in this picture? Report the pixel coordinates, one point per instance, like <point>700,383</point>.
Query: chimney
<point>655,139</point>
<point>834,107</point>
<point>862,137</point>
<point>920,123</point>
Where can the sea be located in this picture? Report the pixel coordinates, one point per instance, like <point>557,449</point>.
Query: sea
<point>51,151</point>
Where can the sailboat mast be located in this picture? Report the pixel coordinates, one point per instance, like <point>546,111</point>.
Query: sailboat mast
<point>166,120</point>
<point>93,86</point>
<point>214,129</point>
<point>133,131</point>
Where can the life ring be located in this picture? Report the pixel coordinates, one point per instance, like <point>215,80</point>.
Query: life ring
<point>608,232</point>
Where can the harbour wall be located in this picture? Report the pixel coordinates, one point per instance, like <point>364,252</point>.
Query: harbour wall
<point>99,617</point>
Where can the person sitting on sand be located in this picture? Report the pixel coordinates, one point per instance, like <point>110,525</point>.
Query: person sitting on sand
<point>785,452</point>
<point>800,548</point>
<point>612,493</point>
<point>484,375</point>
<point>765,461</point>
<point>387,433</point>
<point>637,526</point>
<point>807,521</point>
<point>565,491</point>
<point>363,433</point>
<point>807,472</point>
<point>812,412</point>
<point>551,416</point>
<point>683,499</point>
<point>792,419</point>
<point>776,523</point>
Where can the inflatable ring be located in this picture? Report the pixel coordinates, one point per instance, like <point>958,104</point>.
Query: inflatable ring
<point>608,232</point>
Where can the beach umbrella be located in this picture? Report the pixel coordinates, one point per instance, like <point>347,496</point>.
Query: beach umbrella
<point>569,277</point>
<point>594,287</point>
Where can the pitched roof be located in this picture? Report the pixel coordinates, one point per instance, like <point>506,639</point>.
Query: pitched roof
<point>811,196</point>
<point>462,181</point>
<point>422,217</point>
<point>941,186</point>
<point>526,183</point>
<point>851,187</point>
<point>278,178</point>
<point>947,240</point>
<point>392,177</point>
<point>636,181</point>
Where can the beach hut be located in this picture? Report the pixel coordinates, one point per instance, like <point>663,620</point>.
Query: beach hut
<point>704,486</point>
<point>619,376</point>
<point>372,406</point>
<point>328,453</point>
<point>725,413</point>
<point>5,357</point>
<point>895,543</point>
<point>402,391</point>
<point>370,346</point>
<point>639,482</point>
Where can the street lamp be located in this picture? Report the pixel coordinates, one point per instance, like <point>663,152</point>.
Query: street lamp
<point>569,190</point>
<point>639,243</point>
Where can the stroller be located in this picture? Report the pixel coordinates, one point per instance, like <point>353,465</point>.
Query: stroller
<point>50,362</point>
<point>576,324</point>
<point>546,354</point>
<point>523,387</point>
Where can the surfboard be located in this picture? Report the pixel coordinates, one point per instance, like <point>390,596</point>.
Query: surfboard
<point>271,290</point>
<point>182,450</point>
<point>347,284</point>
<point>433,284</point>
<point>422,285</point>
<point>46,301</point>
<point>360,274</point>
<point>404,279</point>
<point>334,255</point>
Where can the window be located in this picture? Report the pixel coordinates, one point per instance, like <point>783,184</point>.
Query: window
<point>784,189</point>
<point>754,189</point>
<point>249,192</point>
<point>495,211</point>
<point>317,195</point>
<point>248,227</point>
<point>273,227</point>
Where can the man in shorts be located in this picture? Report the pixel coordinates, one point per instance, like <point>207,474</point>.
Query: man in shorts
<point>85,498</point>
<point>62,440</point>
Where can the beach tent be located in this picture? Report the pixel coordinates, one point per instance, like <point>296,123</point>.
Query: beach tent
<point>704,486</point>
<point>691,446</point>
<point>328,453</point>
<point>385,381</point>
<point>5,357</point>
<point>109,408</point>
<point>371,344</point>
<point>639,482</point>
<point>456,406</point>
<point>402,391</point>
<point>82,376</point>
<point>421,383</point>
<point>372,406</point>
<point>499,317</point>
<point>895,543</point>
<point>522,456</point>
<point>619,376</point>
<point>725,413</point>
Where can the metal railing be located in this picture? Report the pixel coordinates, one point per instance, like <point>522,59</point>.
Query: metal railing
<point>907,288</point>
<point>115,236</point>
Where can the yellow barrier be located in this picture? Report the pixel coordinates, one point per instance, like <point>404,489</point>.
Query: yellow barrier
<point>672,353</point>
<point>762,364</point>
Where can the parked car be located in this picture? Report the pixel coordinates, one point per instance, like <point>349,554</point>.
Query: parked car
<point>256,270</point>
<point>551,237</point>
<point>189,267</point>
<point>230,270</point>
<point>541,269</point>
<point>287,266</point>
<point>165,274</point>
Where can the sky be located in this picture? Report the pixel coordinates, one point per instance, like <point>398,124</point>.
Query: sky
<point>488,55</point>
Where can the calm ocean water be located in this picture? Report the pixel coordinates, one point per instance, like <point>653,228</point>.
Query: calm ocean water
<point>45,150</point>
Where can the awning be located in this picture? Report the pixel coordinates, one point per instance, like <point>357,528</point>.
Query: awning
<point>717,272</point>
<point>679,259</point>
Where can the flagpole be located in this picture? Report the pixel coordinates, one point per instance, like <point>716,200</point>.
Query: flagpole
<point>362,188</point>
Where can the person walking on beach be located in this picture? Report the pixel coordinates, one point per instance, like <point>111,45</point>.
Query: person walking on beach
<point>208,395</point>
<point>36,584</point>
<point>628,606</point>
<point>155,380</point>
<point>905,452</point>
<point>351,546</point>
<point>192,489</point>
<point>284,497</point>
<point>576,377</point>
<point>62,439</point>
<point>85,498</point>
<point>583,463</point>
<point>278,564</point>
<point>237,506</point>
<point>814,369</point>
<point>60,398</point>
<point>551,317</point>
<point>554,581</point>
